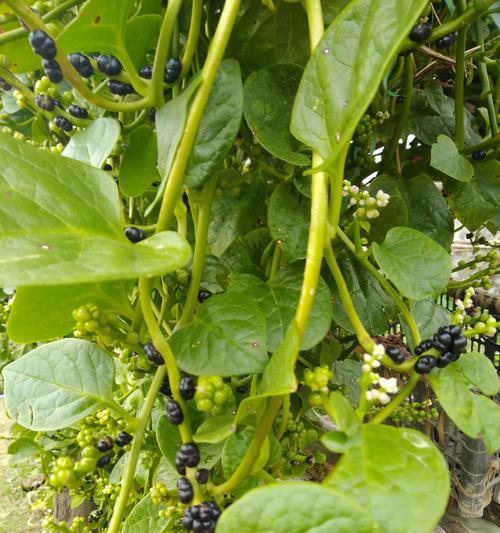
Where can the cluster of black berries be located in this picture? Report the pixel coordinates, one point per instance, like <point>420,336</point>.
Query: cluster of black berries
<point>449,340</point>
<point>201,518</point>
<point>174,413</point>
<point>44,46</point>
<point>173,69</point>
<point>105,444</point>
<point>153,354</point>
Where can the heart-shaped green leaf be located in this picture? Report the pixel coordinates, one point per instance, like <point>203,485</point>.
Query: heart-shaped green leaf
<point>58,384</point>
<point>296,508</point>
<point>227,338</point>
<point>61,223</point>
<point>395,474</point>
<point>415,263</point>
<point>446,158</point>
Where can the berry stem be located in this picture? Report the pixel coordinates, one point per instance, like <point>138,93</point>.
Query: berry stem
<point>200,247</point>
<point>485,82</point>
<point>397,400</point>
<point>208,74</point>
<point>128,475</point>
<point>488,144</point>
<point>460,78</point>
<point>404,112</point>
<point>193,37</point>
<point>253,450</point>
<point>363,337</point>
<point>69,72</point>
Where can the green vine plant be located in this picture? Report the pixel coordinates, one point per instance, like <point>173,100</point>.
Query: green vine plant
<point>211,212</point>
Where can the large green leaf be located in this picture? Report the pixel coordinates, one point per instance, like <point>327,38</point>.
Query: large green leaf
<point>138,169</point>
<point>58,384</point>
<point>478,202</point>
<point>417,265</point>
<point>433,114</point>
<point>429,317</point>
<point>61,222</point>
<point>235,213</point>
<point>227,338</point>
<point>296,508</point>
<point>218,127</point>
<point>262,37</point>
<point>346,68</point>
<point>446,158</point>
<point>93,144</point>
<point>99,26</point>
<point>170,121</point>
<point>288,218</point>
<point>375,308</point>
<point>278,300</point>
<point>476,415</point>
<point>40,313</point>
<point>145,516</point>
<point>395,474</point>
<point>269,95</point>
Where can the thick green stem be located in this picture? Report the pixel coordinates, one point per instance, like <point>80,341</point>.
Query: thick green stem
<point>199,251</point>
<point>404,112</point>
<point>133,456</point>
<point>363,337</point>
<point>193,37</point>
<point>208,73</point>
<point>488,144</point>
<point>460,78</point>
<point>253,450</point>
<point>162,50</point>
<point>415,333</point>
<point>485,82</point>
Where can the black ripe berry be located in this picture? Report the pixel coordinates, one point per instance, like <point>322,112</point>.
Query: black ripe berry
<point>120,88</point>
<point>52,70</point>
<point>172,70</point>
<point>180,466</point>
<point>4,85</point>
<point>45,102</point>
<point>42,44</point>
<point>107,167</point>
<point>77,111</point>
<point>425,364</point>
<point>187,387</point>
<point>134,234</point>
<point>63,123</point>
<point>82,64</point>
<point>105,444</point>
<point>185,490</point>
<point>446,41</point>
<point>104,461</point>
<point>441,341</point>
<point>165,386</point>
<point>202,476</point>
<point>146,72</point>
<point>420,32</point>
<point>188,454</point>
<point>459,344</point>
<point>395,354</point>
<point>174,413</point>
<point>423,347</point>
<point>123,438</point>
<point>444,360</point>
<point>478,155</point>
<point>203,296</point>
<point>153,354</point>
<point>109,65</point>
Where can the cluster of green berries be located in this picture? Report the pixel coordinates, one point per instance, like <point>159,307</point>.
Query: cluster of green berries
<point>93,427</point>
<point>212,394</point>
<point>77,525</point>
<point>91,321</point>
<point>317,380</point>
<point>161,494</point>
<point>415,412</point>
<point>63,474</point>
